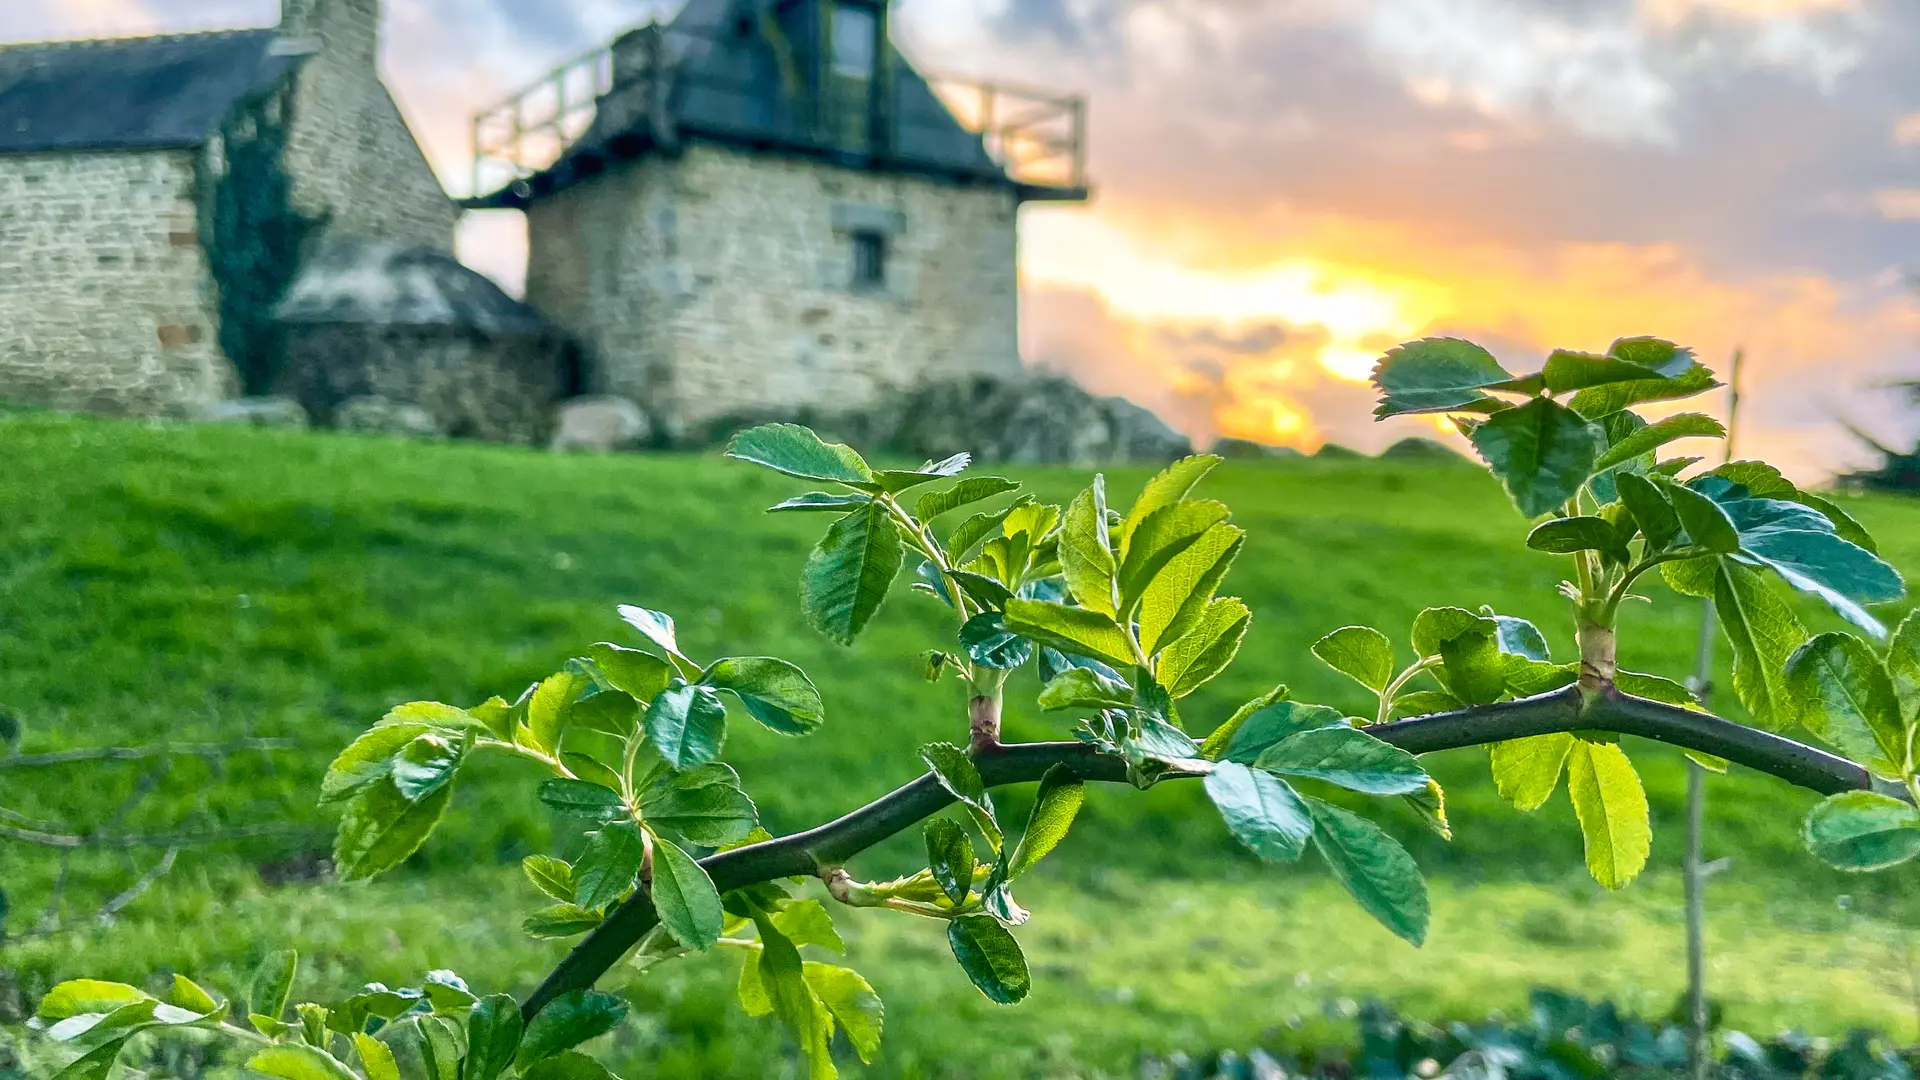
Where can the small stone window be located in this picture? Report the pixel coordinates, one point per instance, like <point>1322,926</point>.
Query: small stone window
<point>854,27</point>
<point>869,259</point>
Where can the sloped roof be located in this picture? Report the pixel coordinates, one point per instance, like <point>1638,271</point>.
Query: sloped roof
<point>130,93</point>
<point>730,87</point>
<point>384,284</point>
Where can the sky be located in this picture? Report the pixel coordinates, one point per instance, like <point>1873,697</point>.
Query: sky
<point>1286,188</point>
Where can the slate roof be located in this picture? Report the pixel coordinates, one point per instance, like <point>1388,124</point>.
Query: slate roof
<point>384,284</point>
<point>130,93</point>
<point>730,88</point>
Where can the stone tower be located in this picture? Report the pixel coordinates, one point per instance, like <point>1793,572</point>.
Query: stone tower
<point>772,214</point>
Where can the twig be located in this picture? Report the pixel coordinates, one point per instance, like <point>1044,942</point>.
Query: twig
<point>140,753</point>
<point>154,873</point>
<point>821,850</point>
<point>72,841</point>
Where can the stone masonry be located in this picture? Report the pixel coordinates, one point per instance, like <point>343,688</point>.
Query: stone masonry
<point>721,282</point>
<point>105,295</point>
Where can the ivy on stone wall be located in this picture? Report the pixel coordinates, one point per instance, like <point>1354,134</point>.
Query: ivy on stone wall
<point>253,236</point>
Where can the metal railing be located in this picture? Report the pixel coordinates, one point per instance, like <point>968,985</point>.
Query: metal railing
<point>1038,138</point>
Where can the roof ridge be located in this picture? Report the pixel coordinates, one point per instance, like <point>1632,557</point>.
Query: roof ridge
<point>126,39</point>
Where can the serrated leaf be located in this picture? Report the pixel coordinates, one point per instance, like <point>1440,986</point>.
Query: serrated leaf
<point>951,858</point>
<point>1178,596</point>
<point>968,534</point>
<point>1606,400</point>
<point>608,865</point>
<point>1846,697</point>
<point>1072,630</point>
<point>688,725</point>
<point>640,675</point>
<point>1436,626</point>
<point>797,451</point>
<point>1472,668</point>
<point>1660,433</point>
<point>1664,357</point>
<point>989,643</point>
<point>95,1064</point>
<point>1566,371</point>
<point>957,773</point>
<point>1542,452</point>
<point>1863,830</point>
<point>684,896</point>
<point>848,575</point>
<point>1160,538</point>
<point>569,1065</point>
<point>1086,557</point>
<point>1651,510</point>
<point>1054,808</point>
<point>1374,868</point>
<point>80,997</point>
<point>1194,660</point>
<point>1764,633</point>
<point>704,804</point>
<point>551,876</point>
<point>547,711</point>
<point>782,978</point>
<point>1611,805</point>
<point>1903,665</point>
<point>561,921</point>
<point>806,922</point>
<point>1082,688</point>
<point>1223,736</point>
<point>991,958</point>
<point>367,759</point>
<point>1270,725</point>
<point>852,1001</point>
<point>973,489</point>
<point>569,1020</point>
<point>1169,486</point>
<point>820,502</point>
<point>377,1060</point>
<point>1526,771</point>
<point>1518,637</point>
<point>582,799</point>
<point>775,692</point>
<point>1424,703</point>
<point>1360,653</point>
<point>381,828</point>
<point>290,1061</point>
<point>1349,758</point>
<point>1656,688</point>
<point>1566,536</point>
<point>1799,544</point>
<point>1261,811</point>
<point>426,765</point>
<point>493,1037</point>
<point>894,481</point>
<point>1434,375</point>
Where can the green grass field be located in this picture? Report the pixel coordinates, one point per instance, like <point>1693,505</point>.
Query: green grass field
<point>196,583</point>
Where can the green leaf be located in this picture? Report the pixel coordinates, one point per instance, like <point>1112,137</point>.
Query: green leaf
<point>493,1037</point>
<point>549,710</point>
<point>1846,697</point>
<point>1606,400</point>
<point>1651,510</point>
<point>656,626</point>
<point>570,1065</point>
<point>1526,771</point>
<point>377,1059</point>
<point>1664,357</point>
<point>684,896</point>
<point>797,451</point>
<point>1223,736</point>
<point>950,857</point>
<point>1375,869</point>
<point>427,765</point>
<point>968,534</point>
<point>1518,637</point>
<point>1799,544</point>
<point>608,865</point>
<point>367,759</point>
<point>1178,597</point>
<point>95,1064</point>
<point>895,481</point>
<point>1171,485</point>
<point>1903,665</point>
<point>775,692</point>
<point>381,828</point>
<point>290,1061</point>
<point>1193,661</point>
<point>1163,536</point>
<point>852,1002</point>
<point>561,921</point>
<point>1542,452</point>
<point>1072,630</point>
<point>820,502</point>
<point>973,489</point>
<point>1061,793</point>
<point>1434,375</point>
<point>1082,688</point>
<point>1359,652</point>
<point>191,996</point>
<point>1472,668</point>
<point>1565,536</point>
<point>1705,521</point>
<point>1843,523</point>
<point>806,922</point>
<point>1660,433</point>
<point>705,804</point>
<point>1435,627</point>
<point>1349,758</point>
<point>1261,811</point>
<point>1086,558</point>
<point>782,977</point>
<point>80,997</point>
<point>688,725</point>
<point>551,876</point>
<point>580,799</point>
<point>988,642</point>
<point>566,1022</point>
<point>1863,830</point>
<point>1764,633</point>
<point>1566,371</point>
<point>591,769</point>
<point>849,573</point>
<point>1655,688</point>
<point>640,675</point>
<point>957,773</point>
<point>1612,808</point>
<point>1426,702</point>
<point>990,957</point>
<point>1272,724</point>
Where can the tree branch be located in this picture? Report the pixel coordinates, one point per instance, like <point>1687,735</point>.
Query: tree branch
<point>821,850</point>
<point>140,753</point>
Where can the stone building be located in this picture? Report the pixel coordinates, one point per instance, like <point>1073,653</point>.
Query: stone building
<point>157,194</point>
<point>769,212</point>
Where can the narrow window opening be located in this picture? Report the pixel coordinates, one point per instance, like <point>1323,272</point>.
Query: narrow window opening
<point>854,26</point>
<point>869,259</point>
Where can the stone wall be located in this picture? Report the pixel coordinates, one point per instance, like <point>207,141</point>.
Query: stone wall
<point>354,161</point>
<point>721,283</point>
<point>106,302</point>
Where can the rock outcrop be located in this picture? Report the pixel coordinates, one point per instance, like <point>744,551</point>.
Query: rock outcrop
<point>601,425</point>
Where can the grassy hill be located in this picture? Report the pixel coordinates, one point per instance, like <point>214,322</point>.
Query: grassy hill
<point>198,583</point>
